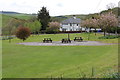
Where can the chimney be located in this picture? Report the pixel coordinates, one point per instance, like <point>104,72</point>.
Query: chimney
<point>74,17</point>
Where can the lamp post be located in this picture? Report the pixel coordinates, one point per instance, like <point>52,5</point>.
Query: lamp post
<point>68,36</point>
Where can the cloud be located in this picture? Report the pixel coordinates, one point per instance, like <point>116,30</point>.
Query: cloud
<point>60,5</point>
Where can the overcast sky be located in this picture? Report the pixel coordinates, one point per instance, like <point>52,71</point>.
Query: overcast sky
<point>56,7</point>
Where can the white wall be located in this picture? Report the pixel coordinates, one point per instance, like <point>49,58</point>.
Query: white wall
<point>69,27</point>
<point>74,27</point>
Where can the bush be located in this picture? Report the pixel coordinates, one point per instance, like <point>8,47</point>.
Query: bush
<point>23,33</point>
<point>6,37</point>
<point>113,30</point>
<point>113,75</point>
<point>51,30</point>
<point>109,37</point>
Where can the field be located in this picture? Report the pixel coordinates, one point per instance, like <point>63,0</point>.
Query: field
<point>21,61</point>
<point>5,18</point>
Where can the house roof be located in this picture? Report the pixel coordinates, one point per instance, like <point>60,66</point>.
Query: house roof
<point>72,20</point>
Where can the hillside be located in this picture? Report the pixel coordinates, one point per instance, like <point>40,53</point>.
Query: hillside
<point>115,10</point>
<point>5,19</point>
<point>8,12</point>
<point>17,15</point>
<point>21,16</point>
<point>6,16</point>
<point>57,18</point>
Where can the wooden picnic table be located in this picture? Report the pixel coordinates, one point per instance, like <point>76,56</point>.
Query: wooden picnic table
<point>66,40</point>
<point>47,40</point>
<point>78,39</point>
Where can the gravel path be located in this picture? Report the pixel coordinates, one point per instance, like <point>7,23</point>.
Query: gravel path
<point>58,43</point>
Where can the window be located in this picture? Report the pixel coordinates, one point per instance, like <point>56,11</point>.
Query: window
<point>65,24</point>
<point>70,24</point>
<point>63,29</point>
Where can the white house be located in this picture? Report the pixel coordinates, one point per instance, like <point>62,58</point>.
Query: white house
<point>71,24</point>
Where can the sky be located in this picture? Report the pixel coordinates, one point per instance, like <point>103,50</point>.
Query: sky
<point>56,7</point>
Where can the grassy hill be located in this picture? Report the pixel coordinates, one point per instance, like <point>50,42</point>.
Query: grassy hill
<point>21,16</point>
<point>17,15</point>
<point>5,18</point>
<point>55,18</point>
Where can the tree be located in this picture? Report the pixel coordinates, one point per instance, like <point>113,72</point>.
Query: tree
<point>87,23</point>
<point>23,33</point>
<point>44,18</point>
<point>107,21</point>
<point>34,26</point>
<point>93,24</point>
<point>110,6</point>
<point>53,27</point>
<point>37,26</point>
<point>9,29</point>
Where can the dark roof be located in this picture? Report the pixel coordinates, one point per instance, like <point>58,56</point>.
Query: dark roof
<point>72,20</point>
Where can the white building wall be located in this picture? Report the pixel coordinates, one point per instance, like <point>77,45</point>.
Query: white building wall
<point>70,27</point>
<point>74,27</point>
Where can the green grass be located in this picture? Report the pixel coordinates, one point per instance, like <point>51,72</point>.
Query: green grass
<point>21,61</point>
<point>58,37</point>
<point>20,16</point>
<point>5,18</point>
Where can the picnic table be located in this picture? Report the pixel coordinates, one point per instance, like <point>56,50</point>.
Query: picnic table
<point>47,40</point>
<point>66,40</point>
<point>78,39</point>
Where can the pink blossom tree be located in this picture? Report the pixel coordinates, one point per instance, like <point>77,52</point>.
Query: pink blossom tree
<point>89,23</point>
<point>94,24</point>
<point>107,21</point>
<point>53,27</point>
<point>104,21</point>
<point>86,23</point>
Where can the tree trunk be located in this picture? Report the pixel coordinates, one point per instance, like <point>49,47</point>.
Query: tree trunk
<point>89,34</point>
<point>95,31</point>
<point>104,32</point>
<point>9,36</point>
<point>68,36</point>
<point>116,32</point>
<point>33,34</point>
<point>85,29</point>
<point>9,40</point>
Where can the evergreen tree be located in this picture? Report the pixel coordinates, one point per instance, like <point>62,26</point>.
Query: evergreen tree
<point>44,18</point>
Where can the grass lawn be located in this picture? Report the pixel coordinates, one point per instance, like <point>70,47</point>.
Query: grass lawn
<point>21,61</point>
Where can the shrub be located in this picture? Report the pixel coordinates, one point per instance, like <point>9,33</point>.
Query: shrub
<point>116,76</point>
<point>51,30</point>
<point>6,37</point>
<point>113,30</point>
<point>109,37</point>
<point>23,33</point>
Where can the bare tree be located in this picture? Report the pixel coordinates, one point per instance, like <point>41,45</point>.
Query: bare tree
<point>9,28</point>
<point>110,6</point>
